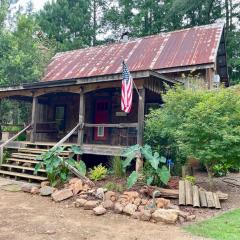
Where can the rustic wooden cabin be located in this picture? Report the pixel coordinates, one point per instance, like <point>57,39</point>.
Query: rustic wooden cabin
<point>78,99</point>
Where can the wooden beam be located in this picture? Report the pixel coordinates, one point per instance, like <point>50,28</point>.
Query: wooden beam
<point>112,125</point>
<point>141,106</point>
<point>81,118</point>
<point>34,119</point>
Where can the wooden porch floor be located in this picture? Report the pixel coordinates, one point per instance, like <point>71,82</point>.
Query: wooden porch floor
<point>96,149</point>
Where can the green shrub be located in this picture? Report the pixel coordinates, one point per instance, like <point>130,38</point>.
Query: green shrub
<point>116,166</point>
<point>98,173</point>
<point>200,124</point>
<point>112,186</point>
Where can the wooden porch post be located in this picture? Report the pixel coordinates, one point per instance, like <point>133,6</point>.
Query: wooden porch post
<point>81,117</point>
<point>34,119</point>
<point>141,104</point>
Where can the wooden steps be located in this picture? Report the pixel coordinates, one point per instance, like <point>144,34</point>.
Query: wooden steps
<point>21,160</point>
<point>21,167</point>
<point>192,195</point>
<point>36,151</point>
<point>22,175</point>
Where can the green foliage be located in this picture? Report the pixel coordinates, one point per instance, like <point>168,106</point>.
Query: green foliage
<point>55,166</point>
<point>112,186</point>
<point>98,173</point>
<point>191,179</point>
<point>154,171</point>
<point>222,227</point>
<point>117,166</point>
<point>221,170</point>
<point>200,124</point>
<point>132,179</point>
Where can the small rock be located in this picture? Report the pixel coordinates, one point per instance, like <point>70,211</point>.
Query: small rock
<point>27,187</point>
<point>76,187</point>
<point>129,209</point>
<point>165,215</point>
<point>132,194</point>
<point>100,210</point>
<point>100,193</point>
<point>45,183</point>
<point>80,202</point>
<point>108,204</point>
<point>137,201</point>
<point>162,202</point>
<point>74,180</point>
<point>141,208</point>
<point>181,219</point>
<point>86,187</point>
<point>113,198</point>
<point>144,201</point>
<point>109,194</point>
<point>34,190</point>
<point>136,215</point>
<point>191,218</point>
<point>173,206</point>
<point>146,215</point>
<point>46,191</point>
<point>118,208</point>
<point>62,195</point>
<point>84,196</point>
<point>89,205</point>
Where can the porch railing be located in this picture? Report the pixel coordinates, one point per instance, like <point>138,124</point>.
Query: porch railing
<point>118,134</point>
<point>11,140</point>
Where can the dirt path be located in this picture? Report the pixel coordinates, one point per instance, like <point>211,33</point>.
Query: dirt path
<point>26,217</point>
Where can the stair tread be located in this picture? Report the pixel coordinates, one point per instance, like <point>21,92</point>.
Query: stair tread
<point>23,175</point>
<point>22,160</point>
<point>39,151</point>
<point>22,167</point>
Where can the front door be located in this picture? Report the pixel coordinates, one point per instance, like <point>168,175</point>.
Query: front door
<point>101,116</point>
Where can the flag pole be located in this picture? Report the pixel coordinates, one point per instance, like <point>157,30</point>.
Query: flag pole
<point>140,98</point>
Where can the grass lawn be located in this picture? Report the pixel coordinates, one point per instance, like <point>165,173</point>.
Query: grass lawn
<point>223,227</point>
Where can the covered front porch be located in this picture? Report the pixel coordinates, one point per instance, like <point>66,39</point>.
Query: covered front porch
<point>87,115</point>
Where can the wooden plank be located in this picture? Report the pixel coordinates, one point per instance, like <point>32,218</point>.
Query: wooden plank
<point>216,201</point>
<point>182,194</point>
<point>34,119</point>
<point>28,176</point>
<point>116,125</point>
<point>22,167</point>
<point>81,118</point>
<point>141,105</point>
<point>210,200</point>
<point>21,160</point>
<point>203,200</point>
<point>196,199</point>
<point>189,195</point>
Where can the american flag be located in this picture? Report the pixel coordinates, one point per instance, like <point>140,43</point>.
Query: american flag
<point>127,90</point>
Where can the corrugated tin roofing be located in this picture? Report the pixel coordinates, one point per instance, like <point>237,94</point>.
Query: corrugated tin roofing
<point>188,47</point>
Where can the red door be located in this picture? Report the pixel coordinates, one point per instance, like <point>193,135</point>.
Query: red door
<point>101,116</point>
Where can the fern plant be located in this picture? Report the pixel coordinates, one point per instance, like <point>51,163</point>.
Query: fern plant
<point>154,171</point>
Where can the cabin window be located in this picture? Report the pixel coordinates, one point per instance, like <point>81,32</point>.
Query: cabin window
<point>100,132</point>
<point>60,117</point>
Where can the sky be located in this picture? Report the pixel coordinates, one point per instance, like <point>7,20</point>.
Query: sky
<point>37,4</point>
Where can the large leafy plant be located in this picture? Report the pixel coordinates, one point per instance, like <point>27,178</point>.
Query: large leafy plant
<point>56,165</point>
<point>154,170</point>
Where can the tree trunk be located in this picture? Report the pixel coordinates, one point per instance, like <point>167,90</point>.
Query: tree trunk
<point>210,176</point>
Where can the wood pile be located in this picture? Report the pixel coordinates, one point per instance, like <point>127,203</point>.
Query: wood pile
<point>192,195</point>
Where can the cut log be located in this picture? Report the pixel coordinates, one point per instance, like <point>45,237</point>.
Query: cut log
<point>196,200</point>
<point>182,195</point>
<point>216,201</point>
<point>188,190</point>
<point>203,200</point>
<point>168,193</point>
<point>210,200</point>
<point>222,196</point>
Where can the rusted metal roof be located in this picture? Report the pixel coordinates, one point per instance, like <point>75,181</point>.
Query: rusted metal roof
<point>188,47</point>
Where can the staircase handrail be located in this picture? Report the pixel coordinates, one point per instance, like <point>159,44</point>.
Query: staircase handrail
<point>11,140</point>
